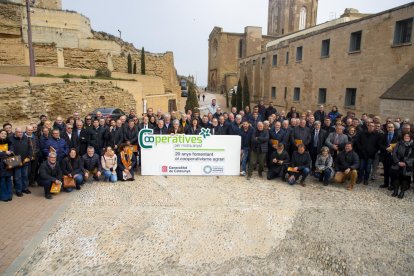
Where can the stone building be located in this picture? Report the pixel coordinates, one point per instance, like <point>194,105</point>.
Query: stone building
<point>225,50</point>
<point>65,43</point>
<point>349,62</point>
<point>289,16</point>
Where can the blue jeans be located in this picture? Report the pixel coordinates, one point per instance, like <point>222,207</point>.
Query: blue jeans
<point>6,188</point>
<point>21,178</point>
<point>365,169</point>
<point>110,176</point>
<point>244,159</point>
<point>324,176</point>
<point>302,172</point>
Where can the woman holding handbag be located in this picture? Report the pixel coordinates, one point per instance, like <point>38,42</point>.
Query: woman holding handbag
<point>72,171</point>
<point>6,187</point>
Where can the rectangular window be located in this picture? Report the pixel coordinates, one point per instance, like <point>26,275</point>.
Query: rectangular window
<point>273,93</point>
<point>322,96</point>
<point>299,53</point>
<point>285,97</point>
<point>274,61</point>
<point>254,62</point>
<point>326,45</point>
<point>403,31</point>
<point>350,97</point>
<point>355,43</point>
<point>296,94</point>
<point>287,58</point>
<point>263,60</point>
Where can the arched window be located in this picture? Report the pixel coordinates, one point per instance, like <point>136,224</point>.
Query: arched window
<point>215,48</point>
<point>241,48</point>
<point>302,18</point>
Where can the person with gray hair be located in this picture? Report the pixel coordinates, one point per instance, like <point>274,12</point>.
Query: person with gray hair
<point>318,137</point>
<point>49,173</point>
<point>176,128</point>
<point>324,166</point>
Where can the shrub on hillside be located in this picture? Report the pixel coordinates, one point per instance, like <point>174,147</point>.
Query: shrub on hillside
<point>103,73</point>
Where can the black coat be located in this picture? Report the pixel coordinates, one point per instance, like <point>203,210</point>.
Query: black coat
<point>347,160</point>
<point>21,147</point>
<point>369,144</point>
<point>3,170</point>
<point>82,139</point>
<point>321,139</point>
<point>284,156</point>
<point>95,137</point>
<point>113,137</point>
<point>131,135</point>
<point>269,111</point>
<point>47,174</point>
<point>192,131</point>
<point>91,163</point>
<point>301,133</point>
<point>282,137</point>
<point>404,153</point>
<point>72,142</point>
<point>301,160</point>
<point>73,167</point>
<point>260,141</point>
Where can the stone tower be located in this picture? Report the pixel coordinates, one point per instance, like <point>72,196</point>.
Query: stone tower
<point>43,4</point>
<point>288,16</point>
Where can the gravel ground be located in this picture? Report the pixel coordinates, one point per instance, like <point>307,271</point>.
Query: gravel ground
<point>227,225</point>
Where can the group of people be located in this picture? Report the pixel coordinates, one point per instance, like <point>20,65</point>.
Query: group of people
<point>292,146</point>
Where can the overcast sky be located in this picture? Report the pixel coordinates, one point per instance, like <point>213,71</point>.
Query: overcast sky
<point>183,26</point>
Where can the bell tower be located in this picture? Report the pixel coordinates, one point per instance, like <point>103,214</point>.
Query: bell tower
<point>289,16</point>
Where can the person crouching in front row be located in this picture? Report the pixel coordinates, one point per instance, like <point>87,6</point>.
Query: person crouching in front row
<point>347,163</point>
<point>72,166</point>
<point>323,166</point>
<point>50,172</point>
<point>301,165</point>
<point>126,163</point>
<point>109,163</point>
<point>278,163</point>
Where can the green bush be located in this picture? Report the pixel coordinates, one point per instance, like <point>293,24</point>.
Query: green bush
<point>103,73</point>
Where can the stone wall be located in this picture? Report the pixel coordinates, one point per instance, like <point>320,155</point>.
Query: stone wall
<point>45,55</point>
<point>23,103</point>
<point>84,58</point>
<point>397,108</point>
<point>372,70</point>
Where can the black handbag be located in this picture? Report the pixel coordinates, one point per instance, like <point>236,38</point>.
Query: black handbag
<point>13,162</point>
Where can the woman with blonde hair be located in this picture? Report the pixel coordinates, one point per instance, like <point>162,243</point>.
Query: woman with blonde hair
<point>109,162</point>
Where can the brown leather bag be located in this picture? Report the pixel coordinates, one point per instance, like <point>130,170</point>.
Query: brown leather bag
<point>68,182</point>
<point>13,161</point>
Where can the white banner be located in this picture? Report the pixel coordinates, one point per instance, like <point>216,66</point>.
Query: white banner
<point>202,154</point>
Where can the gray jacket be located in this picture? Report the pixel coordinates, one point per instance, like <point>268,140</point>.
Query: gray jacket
<point>341,141</point>
<point>322,164</point>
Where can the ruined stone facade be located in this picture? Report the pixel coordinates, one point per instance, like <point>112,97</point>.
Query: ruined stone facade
<point>65,40</point>
<point>289,16</point>
<point>22,103</point>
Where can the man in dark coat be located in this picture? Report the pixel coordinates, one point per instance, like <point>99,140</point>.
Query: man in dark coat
<point>346,165</point>
<point>81,134</point>
<point>387,145</point>
<point>70,138</point>
<point>259,146</point>
<point>57,145</point>
<point>301,164</point>
<point>301,135</point>
<point>369,145</point>
<point>36,155</point>
<point>50,172</point>
<point>95,136</point>
<point>320,114</point>
<point>318,141</point>
<point>270,110</point>
<point>21,147</point>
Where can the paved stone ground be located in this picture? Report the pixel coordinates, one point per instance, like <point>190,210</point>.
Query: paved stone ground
<point>227,225</point>
<point>20,221</point>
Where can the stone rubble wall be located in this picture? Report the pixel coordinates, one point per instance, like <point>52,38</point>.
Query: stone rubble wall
<point>22,103</point>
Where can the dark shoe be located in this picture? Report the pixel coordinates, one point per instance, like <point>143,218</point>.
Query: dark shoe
<point>49,196</point>
<point>19,194</point>
<point>383,186</point>
<point>248,177</point>
<point>365,182</point>
<point>325,183</point>
<point>27,191</point>
<point>10,199</point>
<point>401,195</point>
<point>302,183</point>
<point>390,188</point>
<point>394,194</point>
<point>260,175</point>
<point>5,200</point>
<point>359,181</point>
<point>78,188</point>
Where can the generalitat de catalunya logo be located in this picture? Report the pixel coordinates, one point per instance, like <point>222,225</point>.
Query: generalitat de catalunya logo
<point>148,140</point>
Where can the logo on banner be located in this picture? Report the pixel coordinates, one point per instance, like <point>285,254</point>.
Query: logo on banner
<point>164,169</point>
<point>147,139</point>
